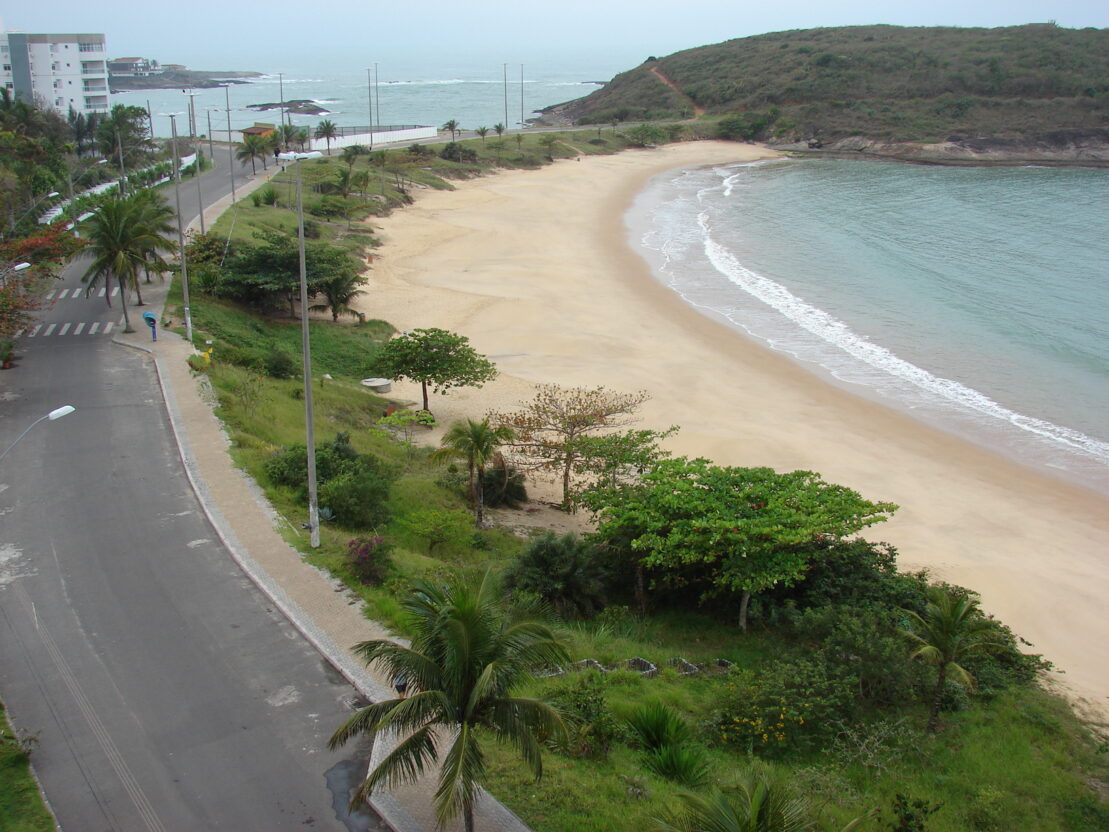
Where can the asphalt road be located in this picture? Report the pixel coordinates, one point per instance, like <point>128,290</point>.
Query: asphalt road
<point>164,690</point>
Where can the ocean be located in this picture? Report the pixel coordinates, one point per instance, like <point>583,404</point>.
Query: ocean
<point>975,299</point>
<point>428,94</point>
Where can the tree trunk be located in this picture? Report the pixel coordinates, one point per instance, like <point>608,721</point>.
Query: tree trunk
<point>640,589</point>
<point>743,611</point>
<point>468,815</point>
<point>937,701</point>
<point>424,385</point>
<point>479,495</point>
<point>566,482</point>
<point>138,293</point>
<point>123,303</point>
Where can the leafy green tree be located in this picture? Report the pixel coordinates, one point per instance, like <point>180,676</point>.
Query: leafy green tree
<point>550,428</point>
<point>252,147</point>
<point>483,132</point>
<point>350,154</point>
<point>327,130</point>
<point>566,572</point>
<point>646,135</point>
<point>478,444</point>
<point>453,128</point>
<point>122,136</point>
<point>467,657</point>
<point>729,529</point>
<point>441,529</point>
<point>615,458</point>
<point>498,128</point>
<point>434,357</point>
<point>951,628</point>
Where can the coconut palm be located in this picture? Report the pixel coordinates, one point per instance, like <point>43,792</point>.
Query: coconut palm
<point>327,130</point>
<point>120,240</point>
<point>483,132</point>
<point>287,134</point>
<point>153,220</point>
<point>477,443</point>
<point>252,147</point>
<point>351,153</point>
<point>498,128</point>
<point>452,127</point>
<point>951,628</point>
<point>339,292</point>
<point>466,657</point>
<point>757,805</point>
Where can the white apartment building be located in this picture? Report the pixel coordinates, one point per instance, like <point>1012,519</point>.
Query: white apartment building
<point>58,71</point>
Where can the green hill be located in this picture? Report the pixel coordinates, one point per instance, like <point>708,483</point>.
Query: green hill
<point>888,82</point>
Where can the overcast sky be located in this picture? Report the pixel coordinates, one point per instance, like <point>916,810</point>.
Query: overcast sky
<point>339,34</point>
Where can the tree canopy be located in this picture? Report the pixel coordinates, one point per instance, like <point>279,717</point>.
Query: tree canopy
<point>729,530</point>
<point>434,357</point>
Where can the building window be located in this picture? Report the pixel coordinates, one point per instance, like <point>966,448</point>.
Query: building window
<point>90,47</point>
<point>7,67</point>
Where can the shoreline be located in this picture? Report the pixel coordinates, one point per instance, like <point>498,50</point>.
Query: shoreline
<point>544,291</point>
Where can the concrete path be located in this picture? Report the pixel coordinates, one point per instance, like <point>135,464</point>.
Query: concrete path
<point>328,615</point>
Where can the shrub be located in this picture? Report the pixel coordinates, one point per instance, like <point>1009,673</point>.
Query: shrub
<point>358,498</point>
<point>564,571</point>
<point>503,485</point>
<point>685,764</point>
<point>654,725</point>
<point>256,198</point>
<point>591,727</point>
<point>268,195</point>
<point>328,207</point>
<point>455,152</point>
<point>312,230</point>
<point>279,364</point>
<point>369,559</point>
<point>439,528</point>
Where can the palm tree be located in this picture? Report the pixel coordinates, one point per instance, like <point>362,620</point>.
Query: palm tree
<point>477,443</point>
<point>301,137</point>
<point>339,292</point>
<point>327,130</point>
<point>466,657</point>
<point>351,153</point>
<point>122,237</point>
<point>951,628</point>
<point>251,148</point>
<point>453,127</point>
<point>287,134</point>
<point>757,806</point>
<point>498,128</point>
<point>483,132</point>
<point>153,221</point>
<point>344,180</point>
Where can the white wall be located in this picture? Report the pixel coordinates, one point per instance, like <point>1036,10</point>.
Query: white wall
<point>412,134</point>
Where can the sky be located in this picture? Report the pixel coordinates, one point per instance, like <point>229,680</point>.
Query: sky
<point>617,34</point>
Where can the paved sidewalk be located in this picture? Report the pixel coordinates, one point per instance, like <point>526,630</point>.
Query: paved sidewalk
<point>328,615</point>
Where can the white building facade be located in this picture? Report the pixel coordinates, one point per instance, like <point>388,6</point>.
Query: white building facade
<point>56,71</point>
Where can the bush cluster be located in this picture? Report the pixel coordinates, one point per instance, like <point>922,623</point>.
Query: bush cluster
<point>369,559</point>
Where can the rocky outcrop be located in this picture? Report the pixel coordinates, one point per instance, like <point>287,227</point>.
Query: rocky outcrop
<point>1058,147</point>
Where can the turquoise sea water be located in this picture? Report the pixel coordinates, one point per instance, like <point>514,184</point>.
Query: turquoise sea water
<point>976,298</point>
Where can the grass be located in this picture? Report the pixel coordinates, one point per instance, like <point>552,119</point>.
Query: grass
<point>1022,760</point>
<point>21,805</point>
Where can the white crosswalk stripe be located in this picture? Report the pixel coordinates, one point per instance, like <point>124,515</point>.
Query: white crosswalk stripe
<point>108,327</point>
<point>35,331</point>
<point>77,329</point>
<point>49,330</point>
<point>64,329</point>
<point>94,328</point>
<point>102,292</point>
<point>50,294</point>
<point>68,328</point>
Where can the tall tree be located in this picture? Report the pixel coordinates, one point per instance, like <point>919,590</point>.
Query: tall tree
<point>477,443</point>
<point>729,530</point>
<point>121,242</point>
<point>436,357</point>
<point>467,657</point>
<point>153,225</point>
<point>498,128</point>
<point>123,137</point>
<point>550,427</point>
<point>339,290</point>
<point>483,132</point>
<point>327,130</point>
<point>252,147</point>
<point>453,128</point>
<point>951,628</point>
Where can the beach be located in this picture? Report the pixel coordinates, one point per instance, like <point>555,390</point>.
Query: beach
<point>535,268</point>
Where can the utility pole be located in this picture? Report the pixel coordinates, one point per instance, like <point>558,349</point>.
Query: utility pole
<point>230,144</point>
<point>505,68</point>
<point>196,147</point>
<point>181,233</point>
<point>370,94</point>
<point>377,96</point>
<point>211,151</point>
<point>521,96</point>
<point>281,88</point>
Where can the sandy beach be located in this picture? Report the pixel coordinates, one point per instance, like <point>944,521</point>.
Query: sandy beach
<point>535,268</point>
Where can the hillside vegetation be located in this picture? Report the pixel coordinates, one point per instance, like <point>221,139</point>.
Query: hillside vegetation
<point>888,82</point>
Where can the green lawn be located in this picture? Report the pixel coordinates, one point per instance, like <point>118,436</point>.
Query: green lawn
<point>21,806</point>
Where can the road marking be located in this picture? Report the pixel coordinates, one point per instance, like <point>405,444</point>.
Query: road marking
<point>61,294</point>
<point>35,331</point>
<point>95,326</point>
<point>101,294</point>
<point>104,739</point>
<point>115,291</point>
<point>108,327</point>
<point>19,334</point>
<point>49,330</point>
<point>64,329</point>
<point>50,294</point>
<point>77,329</point>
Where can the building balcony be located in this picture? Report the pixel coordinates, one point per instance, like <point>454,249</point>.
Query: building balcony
<point>95,87</point>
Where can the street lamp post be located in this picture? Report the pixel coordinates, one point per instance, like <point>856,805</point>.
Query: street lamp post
<point>181,233</point>
<point>57,413</point>
<point>18,267</point>
<point>230,144</point>
<point>310,438</point>
<point>196,148</point>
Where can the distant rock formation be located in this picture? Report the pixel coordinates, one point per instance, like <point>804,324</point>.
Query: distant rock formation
<point>300,106</point>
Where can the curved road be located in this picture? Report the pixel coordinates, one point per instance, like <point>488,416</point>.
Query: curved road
<point>164,690</point>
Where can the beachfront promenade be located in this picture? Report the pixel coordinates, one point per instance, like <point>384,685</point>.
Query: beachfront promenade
<point>319,607</point>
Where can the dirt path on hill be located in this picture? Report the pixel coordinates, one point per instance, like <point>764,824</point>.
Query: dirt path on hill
<point>698,111</point>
